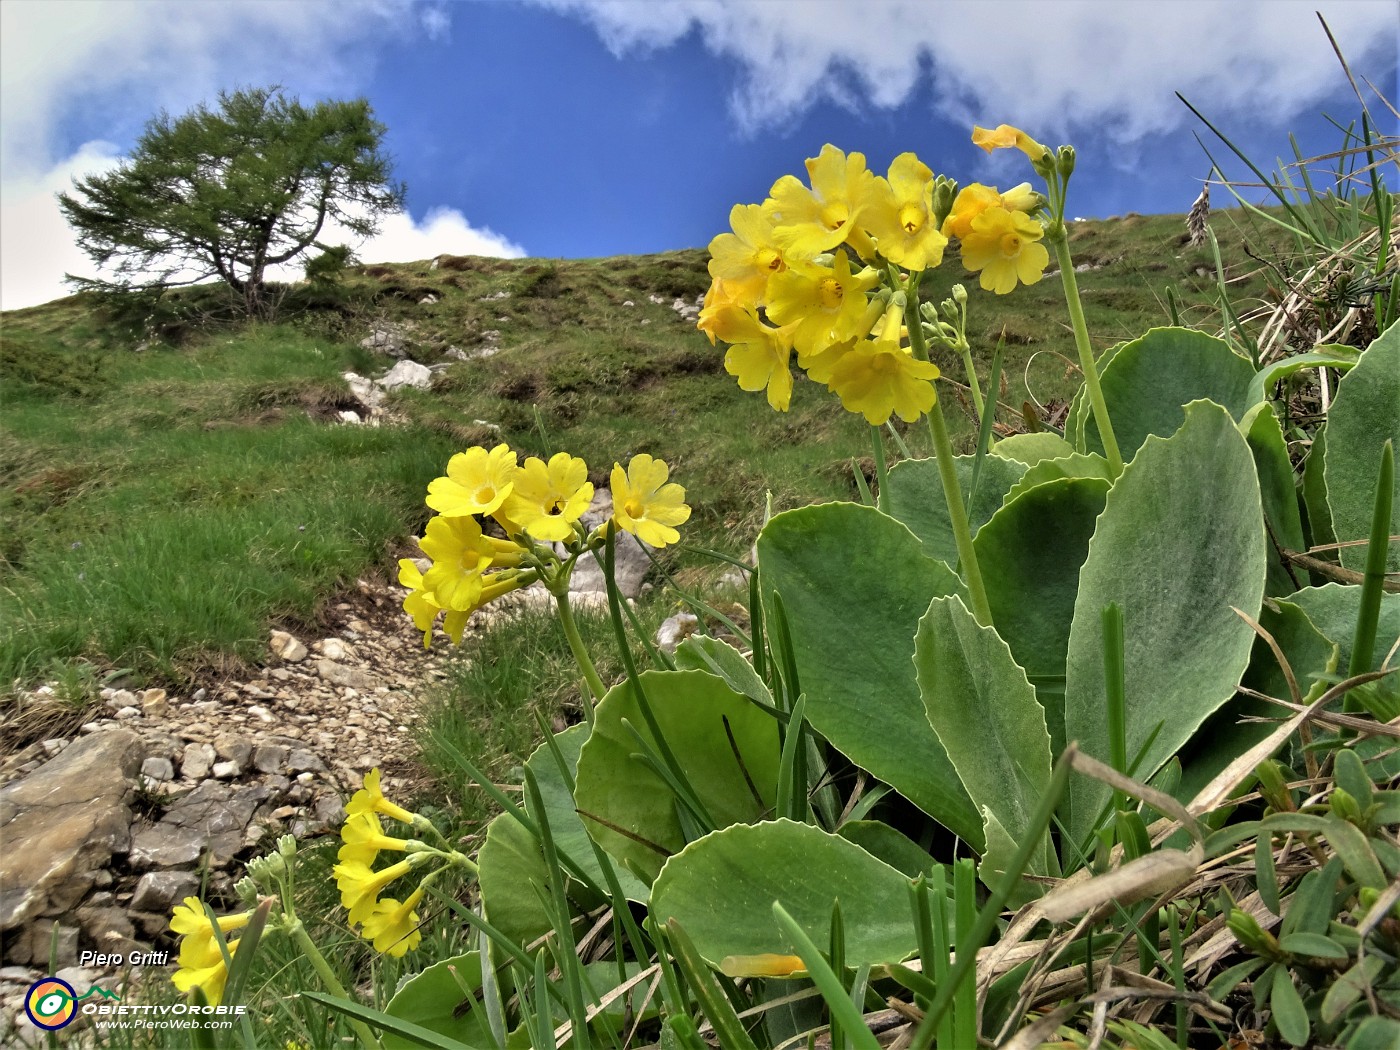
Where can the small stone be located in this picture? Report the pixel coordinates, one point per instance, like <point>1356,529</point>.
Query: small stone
<point>304,763</point>
<point>128,713</point>
<point>332,648</point>
<point>270,758</point>
<point>283,812</point>
<point>200,694</point>
<point>158,769</point>
<point>196,761</point>
<point>261,714</point>
<point>285,647</point>
<point>226,770</point>
<point>235,749</point>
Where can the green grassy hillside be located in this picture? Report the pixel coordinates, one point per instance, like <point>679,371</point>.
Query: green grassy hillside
<point>173,480</point>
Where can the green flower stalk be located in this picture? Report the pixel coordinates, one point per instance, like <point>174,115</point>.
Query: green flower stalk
<point>948,475</point>
<point>1056,169</point>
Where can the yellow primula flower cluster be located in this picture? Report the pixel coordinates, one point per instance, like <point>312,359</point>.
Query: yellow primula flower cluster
<point>535,503</point>
<point>201,962</point>
<point>820,269</point>
<point>391,925</point>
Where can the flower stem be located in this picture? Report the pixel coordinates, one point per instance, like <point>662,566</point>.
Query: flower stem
<point>328,977</point>
<point>576,646</point>
<point>972,383</point>
<point>957,516</point>
<point>1057,236</point>
<point>882,469</point>
<point>948,474</point>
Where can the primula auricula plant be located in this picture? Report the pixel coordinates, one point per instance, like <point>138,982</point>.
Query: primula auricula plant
<point>830,273</point>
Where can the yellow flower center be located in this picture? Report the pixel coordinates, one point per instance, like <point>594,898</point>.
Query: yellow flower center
<point>831,293</point>
<point>911,217</point>
<point>635,509</point>
<point>485,494</point>
<point>834,215</point>
<point>1010,245</point>
<point>768,259</point>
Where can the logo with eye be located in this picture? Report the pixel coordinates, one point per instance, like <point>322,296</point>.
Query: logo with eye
<point>51,1004</point>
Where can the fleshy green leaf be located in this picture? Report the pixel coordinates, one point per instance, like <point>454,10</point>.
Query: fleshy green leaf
<point>1332,355</point>
<point>514,881</point>
<point>1030,554</point>
<point>721,889</point>
<point>1180,541</point>
<point>432,998</point>
<point>916,498</point>
<point>1031,449</point>
<point>1333,609</point>
<point>854,584</point>
<point>1364,415</point>
<point>570,835</point>
<point>1150,380</point>
<point>986,716</point>
<point>692,709</point>
<point>1279,490</point>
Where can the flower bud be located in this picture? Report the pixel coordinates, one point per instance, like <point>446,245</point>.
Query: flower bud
<point>944,190</point>
<point>1250,934</point>
<point>1065,162</point>
<point>1273,786</point>
<point>1345,806</point>
<point>959,294</point>
<point>287,846</point>
<point>246,890</point>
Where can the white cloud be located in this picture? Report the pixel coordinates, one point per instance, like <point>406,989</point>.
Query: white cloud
<point>36,244</point>
<point>1049,66</point>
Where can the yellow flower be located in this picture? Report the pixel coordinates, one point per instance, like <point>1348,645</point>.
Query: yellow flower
<point>201,962</point>
<point>477,482</point>
<point>811,221</point>
<point>424,609</point>
<point>878,377</point>
<point>550,497</point>
<point>971,201</point>
<point>1004,136</point>
<point>900,215</point>
<point>211,977</point>
<point>393,927</point>
<point>364,838</point>
<point>359,885</point>
<point>644,503</point>
<point>370,799</point>
<point>1005,246</point>
<point>759,354</point>
<point>460,559</point>
<point>746,258</point>
<point>822,305</point>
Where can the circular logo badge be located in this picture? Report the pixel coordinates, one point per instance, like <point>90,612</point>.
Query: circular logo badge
<point>51,1003</point>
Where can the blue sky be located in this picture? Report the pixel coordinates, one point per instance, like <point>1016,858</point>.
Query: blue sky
<point>583,128</point>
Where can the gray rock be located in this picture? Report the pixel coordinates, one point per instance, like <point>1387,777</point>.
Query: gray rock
<point>197,760</point>
<point>160,891</point>
<point>270,758</point>
<point>158,769</point>
<point>675,630</point>
<point>386,338</point>
<point>227,770</point>
<point>407,373</point>
<point>234,749</point>
<point>630,561</point>
<point>346,677</point>
<point>63,822</point>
